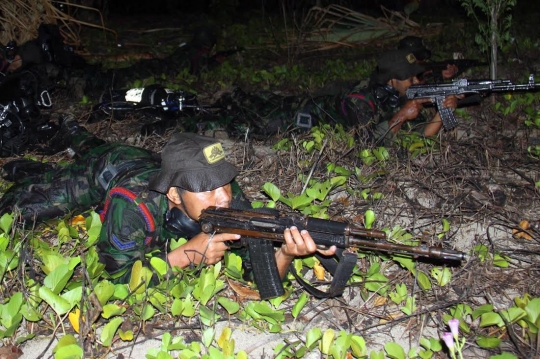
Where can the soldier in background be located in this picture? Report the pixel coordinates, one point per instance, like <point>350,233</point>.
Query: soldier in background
<point>376,108</point>
<point>416,46</point>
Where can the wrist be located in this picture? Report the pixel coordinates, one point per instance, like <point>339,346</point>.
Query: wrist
<point>280,254</point>
<point>178,257</point>
<point>396,122</point>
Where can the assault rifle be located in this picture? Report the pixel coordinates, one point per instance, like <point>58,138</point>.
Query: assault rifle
<point>434,69</point>
<point>253,226</point>
<point>438,92</point>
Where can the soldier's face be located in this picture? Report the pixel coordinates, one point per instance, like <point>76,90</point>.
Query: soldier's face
<point>192,203</point>
<point>402,85</point>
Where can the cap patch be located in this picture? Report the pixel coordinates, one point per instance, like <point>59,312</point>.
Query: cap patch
<point>214,153</point>
<point>411,58</point>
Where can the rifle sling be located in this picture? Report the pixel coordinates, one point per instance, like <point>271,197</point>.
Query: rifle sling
<point>341,272</point>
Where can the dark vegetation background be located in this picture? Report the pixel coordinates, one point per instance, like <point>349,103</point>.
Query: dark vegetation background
<point>480,177</point>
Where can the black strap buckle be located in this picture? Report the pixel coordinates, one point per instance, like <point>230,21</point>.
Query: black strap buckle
<point>106,176</point>
<point>303,120</point>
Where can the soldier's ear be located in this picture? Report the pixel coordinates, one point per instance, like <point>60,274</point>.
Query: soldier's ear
<point>174,195</point>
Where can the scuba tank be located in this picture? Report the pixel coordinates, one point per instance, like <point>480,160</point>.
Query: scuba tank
<point>119,103</point>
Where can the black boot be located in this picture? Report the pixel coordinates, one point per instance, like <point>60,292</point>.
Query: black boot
<point>18,170</point>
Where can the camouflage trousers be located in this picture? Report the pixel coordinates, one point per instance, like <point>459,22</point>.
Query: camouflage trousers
<point>72,188</point>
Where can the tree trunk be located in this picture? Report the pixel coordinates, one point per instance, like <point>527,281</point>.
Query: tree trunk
<point>493,29</point>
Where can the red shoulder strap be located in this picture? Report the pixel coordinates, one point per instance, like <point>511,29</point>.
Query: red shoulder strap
<point>363,97</point>
<point>132,197</point>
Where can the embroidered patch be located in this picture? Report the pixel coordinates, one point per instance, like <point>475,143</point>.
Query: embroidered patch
<point>411,58</point>
<point>214,153</point>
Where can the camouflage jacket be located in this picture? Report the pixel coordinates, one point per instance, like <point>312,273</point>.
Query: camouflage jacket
<point>113,177</point>
<point>136,220</point>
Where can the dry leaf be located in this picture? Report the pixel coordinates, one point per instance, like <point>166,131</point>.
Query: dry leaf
<point>391,317</point>
<point>525,225</point>
<point>319,271</point>
<point>379,301</point>
<point>10,352</point>
<point>244,292</point>
<point>74,319</point>
<point>78,220</point>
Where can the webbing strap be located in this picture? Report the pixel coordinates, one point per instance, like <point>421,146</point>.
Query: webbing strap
<point>341,272</point>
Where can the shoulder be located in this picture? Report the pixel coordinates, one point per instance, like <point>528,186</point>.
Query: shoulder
<point>132,217</point>
<point>361,95</point>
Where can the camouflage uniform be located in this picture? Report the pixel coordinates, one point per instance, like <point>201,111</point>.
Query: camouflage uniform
<point>110,174</point>
<point>341,103</point>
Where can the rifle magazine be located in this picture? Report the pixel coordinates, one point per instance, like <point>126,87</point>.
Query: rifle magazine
<point>261,253</point>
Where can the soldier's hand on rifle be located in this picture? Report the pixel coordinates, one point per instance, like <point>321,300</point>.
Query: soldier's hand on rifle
<point>203,248</point>
<point>452,101</point>
<point>435,125</point>
<point>297,244</point>
<point>409,111</point>
<point>450,72</point>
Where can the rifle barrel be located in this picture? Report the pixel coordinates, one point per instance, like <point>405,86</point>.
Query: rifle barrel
<point>422,250</point>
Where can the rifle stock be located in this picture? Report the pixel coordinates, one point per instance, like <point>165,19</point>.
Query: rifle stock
<point>438,92</point>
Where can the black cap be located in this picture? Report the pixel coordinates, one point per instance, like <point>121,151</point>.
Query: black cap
<point>416,46</point>
<point>194,163</point>
<point>397,64</point>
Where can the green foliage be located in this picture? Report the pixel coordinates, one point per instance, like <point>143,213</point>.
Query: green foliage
<point>415,143</point>
<point>410,306</point>
<point>525,313</point>
<point>524,103</point>
<point>394,351</point>
<point>496,259</point>
<point>299,76</point>
<point>441,275</point>
<point>461,312</point>
<point>300,304</point>
<point>10,315</point>
<point>369,218</point>
<point>196,293</point>
<point>430,346</point>
<point>374,280</point>
<point>494,18</point>
<point>400,294</point>
<point>333,141</point>
<point>369,156</point>
<point>504,355</point>
<point>68,348</point>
